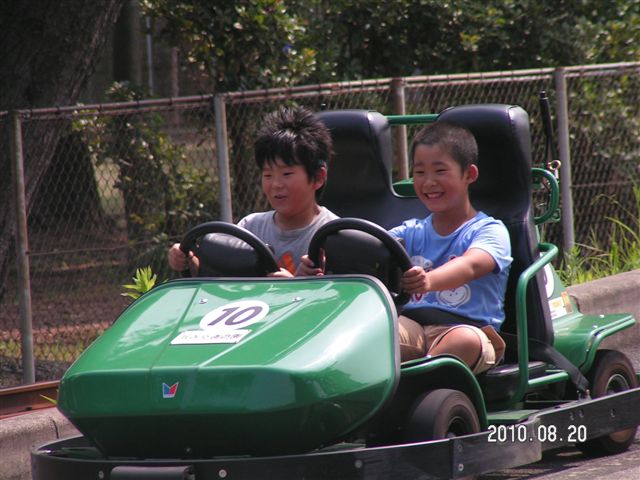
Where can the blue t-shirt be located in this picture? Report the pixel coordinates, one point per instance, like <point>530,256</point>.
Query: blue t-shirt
<point>481,299</point>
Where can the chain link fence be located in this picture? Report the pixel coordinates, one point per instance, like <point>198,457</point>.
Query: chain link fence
<point>124,182</point>
<point>128,179</point>
<point>605,147</point>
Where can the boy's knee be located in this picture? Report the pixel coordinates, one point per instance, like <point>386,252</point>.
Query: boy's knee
<point>463,342</point>
<point>460,341</point>
<point>464,337</point>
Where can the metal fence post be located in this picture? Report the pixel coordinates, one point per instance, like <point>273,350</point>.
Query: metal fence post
<point>222,153</point>
<point>400,131</point>
<point>562,110</point>
<point>22,249</point>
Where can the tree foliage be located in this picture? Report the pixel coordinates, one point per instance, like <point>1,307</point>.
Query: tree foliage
<point>267,43</point>
<point>245,44</point>
<point>163,193</point>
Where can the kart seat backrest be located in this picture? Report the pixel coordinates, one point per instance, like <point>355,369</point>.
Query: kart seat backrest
<point>359,181</point>
<point>360,186</point>
<point>503,190</point>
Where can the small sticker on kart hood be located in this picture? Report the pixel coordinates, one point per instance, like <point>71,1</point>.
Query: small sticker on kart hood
<point>203,337</point>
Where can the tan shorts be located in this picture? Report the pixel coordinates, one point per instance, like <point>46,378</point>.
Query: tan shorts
<point>417,341</point>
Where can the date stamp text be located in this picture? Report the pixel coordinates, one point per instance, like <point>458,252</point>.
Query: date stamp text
<point>520,433</point>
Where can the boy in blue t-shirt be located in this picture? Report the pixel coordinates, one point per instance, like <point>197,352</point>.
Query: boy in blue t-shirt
<point>461,257</point>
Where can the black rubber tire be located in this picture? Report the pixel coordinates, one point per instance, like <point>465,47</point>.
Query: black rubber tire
<point>439,414</point>
<point>612,372</point>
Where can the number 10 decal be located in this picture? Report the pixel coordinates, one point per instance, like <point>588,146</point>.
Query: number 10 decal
<point>235,315</point>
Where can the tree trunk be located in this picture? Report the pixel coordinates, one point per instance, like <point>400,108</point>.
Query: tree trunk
<point>49,49</point>
<point>68,193</point>
<point>126,48</point>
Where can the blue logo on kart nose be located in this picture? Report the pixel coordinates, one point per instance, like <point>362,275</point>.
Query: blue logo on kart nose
<point>169,391</point>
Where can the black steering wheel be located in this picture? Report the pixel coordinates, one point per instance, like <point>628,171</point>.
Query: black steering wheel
<point>228,256</point>
<point>357,244</point>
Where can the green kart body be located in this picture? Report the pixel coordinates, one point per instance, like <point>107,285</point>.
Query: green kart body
<point>257,366</point>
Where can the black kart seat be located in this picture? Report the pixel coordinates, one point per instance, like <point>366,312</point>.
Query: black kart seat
<point>501,382</point>
<point>360,183</point>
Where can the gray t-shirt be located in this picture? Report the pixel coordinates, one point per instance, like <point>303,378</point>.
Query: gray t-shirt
<point>289,245</point>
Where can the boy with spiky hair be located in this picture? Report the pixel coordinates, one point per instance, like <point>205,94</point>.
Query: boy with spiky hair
<point>292,149</point>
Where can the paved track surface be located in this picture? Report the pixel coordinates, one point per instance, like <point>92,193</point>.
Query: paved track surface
<point>570,463</point>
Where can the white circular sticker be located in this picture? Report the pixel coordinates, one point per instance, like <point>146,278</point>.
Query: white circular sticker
<point>236,315</point>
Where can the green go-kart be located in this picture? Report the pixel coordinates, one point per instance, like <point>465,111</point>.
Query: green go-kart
<point>239,375</point>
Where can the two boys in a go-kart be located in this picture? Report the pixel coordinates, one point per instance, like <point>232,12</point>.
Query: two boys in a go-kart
<point>460,256</point>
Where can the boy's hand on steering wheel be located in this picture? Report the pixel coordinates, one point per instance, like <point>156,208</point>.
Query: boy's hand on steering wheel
<point>416,280</point>
<point>308,269</point>
<point>282,273</point>
<point>179,262</point>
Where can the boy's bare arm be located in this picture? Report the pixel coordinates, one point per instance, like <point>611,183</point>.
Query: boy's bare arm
<point>475,263</point>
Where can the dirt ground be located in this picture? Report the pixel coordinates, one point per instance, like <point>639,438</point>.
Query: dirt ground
<point>74,297</point>
<point>57,341</point>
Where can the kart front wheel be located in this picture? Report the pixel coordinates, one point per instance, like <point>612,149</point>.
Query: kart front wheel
<point>611,373</point>
<point>439,414</point>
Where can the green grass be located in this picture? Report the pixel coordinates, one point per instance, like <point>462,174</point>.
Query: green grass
<point>590,262</point>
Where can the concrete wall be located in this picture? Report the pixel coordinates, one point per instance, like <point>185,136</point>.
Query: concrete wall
<point>616,294</point>
<point>21,434</point>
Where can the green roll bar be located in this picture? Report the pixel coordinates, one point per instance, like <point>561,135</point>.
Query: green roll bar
<point>554,198</point>
<point>412,119</point>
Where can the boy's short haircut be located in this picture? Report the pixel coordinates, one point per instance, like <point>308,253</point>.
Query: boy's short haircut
<point>297,137</point>
<point>457,140</point>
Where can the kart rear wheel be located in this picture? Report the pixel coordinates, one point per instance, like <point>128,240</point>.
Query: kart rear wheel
<point>439,414</point>
<point>611,373</point>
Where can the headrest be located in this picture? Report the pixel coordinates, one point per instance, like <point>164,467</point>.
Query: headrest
<point>503,189</point>
<point>359,182</point>
<point>362,153</point>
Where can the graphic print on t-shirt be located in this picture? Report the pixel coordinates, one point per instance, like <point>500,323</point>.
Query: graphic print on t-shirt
<point>456,297</point>
<point>286,262</point>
